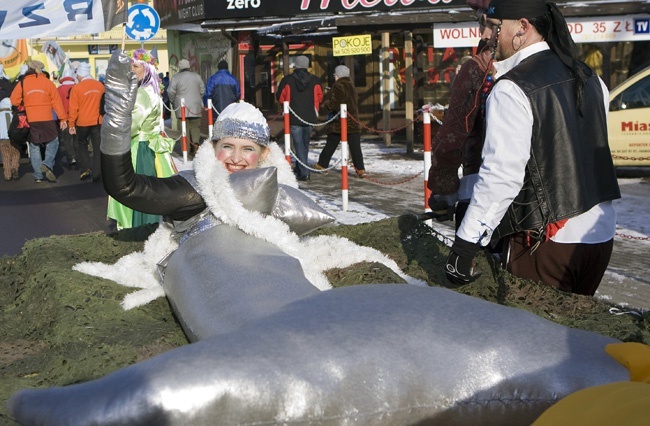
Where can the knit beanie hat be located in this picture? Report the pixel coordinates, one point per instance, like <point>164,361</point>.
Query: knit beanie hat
<point>342,71</point>
<point>242,120</point>
<point>183,64</point>
<point>302,62</point>
<point>67,72</point>
<point>83,70</point>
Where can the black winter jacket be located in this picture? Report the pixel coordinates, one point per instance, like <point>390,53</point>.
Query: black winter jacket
<point>304,93</point>
<point>173,197</point>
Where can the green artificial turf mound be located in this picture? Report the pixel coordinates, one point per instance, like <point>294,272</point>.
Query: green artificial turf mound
<point>61,327</point>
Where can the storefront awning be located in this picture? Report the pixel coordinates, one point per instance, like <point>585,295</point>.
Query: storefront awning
<point>312,17</point>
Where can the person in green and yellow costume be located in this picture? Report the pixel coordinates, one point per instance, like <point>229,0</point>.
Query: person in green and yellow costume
<point>150,150</point>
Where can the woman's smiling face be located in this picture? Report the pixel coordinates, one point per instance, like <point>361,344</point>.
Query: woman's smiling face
<point>239,154</point>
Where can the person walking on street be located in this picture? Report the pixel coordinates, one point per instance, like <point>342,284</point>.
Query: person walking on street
<point>40,97</point>
<point>10,154</point>
<point>85,121</point>
<point>459,141</point>
<point>67,81</point>
<point>547,180</point>
<point>304,93</point>
<point>187,85</point>
<point>151,152</point>
<point>164,81</point>
<point>223,88</point>
<point>343,92</point>
<point>6,85</point>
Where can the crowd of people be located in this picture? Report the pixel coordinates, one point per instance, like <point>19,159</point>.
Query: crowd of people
<point>544,184</point>
<point>510,197</point>
<point>539,187</point>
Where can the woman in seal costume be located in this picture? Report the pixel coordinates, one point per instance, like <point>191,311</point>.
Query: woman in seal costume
<point>150,150</point>
<point>386,355</point>
<point>230,244</point>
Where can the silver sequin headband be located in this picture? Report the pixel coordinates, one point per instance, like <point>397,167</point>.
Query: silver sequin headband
<point>240,129</point>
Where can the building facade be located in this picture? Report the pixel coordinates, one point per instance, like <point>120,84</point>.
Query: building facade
<point>415,46</point>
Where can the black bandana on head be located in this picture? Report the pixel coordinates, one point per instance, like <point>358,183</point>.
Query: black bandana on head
<point>516,9</point>
<point>558,37</point>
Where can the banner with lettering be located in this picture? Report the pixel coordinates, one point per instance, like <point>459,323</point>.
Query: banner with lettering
<point>13,53</point>
<point>583,30</point>
<point>52,18</point>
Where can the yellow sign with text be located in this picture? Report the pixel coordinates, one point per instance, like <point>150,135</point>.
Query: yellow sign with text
<point>352,45</point>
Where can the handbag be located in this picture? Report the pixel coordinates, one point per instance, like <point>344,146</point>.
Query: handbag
<point>19,127</point>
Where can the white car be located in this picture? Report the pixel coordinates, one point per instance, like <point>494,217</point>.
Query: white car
<point>628,121</point>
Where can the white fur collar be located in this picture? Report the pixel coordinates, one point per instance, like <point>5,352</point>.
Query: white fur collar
<point>316,254</point>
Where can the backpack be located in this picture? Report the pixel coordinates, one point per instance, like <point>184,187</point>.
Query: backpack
<point>18,131</point>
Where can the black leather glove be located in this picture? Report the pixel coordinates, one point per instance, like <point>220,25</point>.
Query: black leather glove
<point>460,262</point>
<point>442,207</point>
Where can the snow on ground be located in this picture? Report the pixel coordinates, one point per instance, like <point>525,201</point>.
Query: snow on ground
<point>632,212</point>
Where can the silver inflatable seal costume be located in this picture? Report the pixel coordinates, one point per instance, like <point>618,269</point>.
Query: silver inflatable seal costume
<point>362,355</point>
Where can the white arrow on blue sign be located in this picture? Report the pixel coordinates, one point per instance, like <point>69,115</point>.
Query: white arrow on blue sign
<point>143,22</point>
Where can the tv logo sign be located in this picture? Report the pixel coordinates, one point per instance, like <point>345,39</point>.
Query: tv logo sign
<point>641,25</point>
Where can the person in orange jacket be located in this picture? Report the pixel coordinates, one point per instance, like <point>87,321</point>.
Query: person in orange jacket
<point>85,121</point>
<point>40,98</point>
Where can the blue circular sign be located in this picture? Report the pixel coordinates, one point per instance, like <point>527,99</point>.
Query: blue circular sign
<point>143,22</point>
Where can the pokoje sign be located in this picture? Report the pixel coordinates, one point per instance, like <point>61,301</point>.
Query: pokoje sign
<point>352,45</point>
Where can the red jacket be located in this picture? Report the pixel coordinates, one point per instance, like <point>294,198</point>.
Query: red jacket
<point>64,91</point>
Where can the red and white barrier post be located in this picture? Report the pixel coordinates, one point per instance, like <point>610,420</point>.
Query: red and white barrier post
<point>344,155</point>
<point>210,120</point>
<point>426,132</point>
<point>183,131</point>
<point>287,131</point>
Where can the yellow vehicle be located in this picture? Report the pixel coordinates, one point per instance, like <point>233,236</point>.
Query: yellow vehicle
<point>628,121</point>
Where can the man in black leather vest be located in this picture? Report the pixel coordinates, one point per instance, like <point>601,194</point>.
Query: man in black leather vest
<point>547,180</point>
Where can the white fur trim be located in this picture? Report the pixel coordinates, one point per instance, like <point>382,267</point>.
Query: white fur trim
<point>276,158</point>
<point>316,254</point>
<point>138,269</point>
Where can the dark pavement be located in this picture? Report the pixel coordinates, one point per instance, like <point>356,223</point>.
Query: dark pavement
<point>31,210</point>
